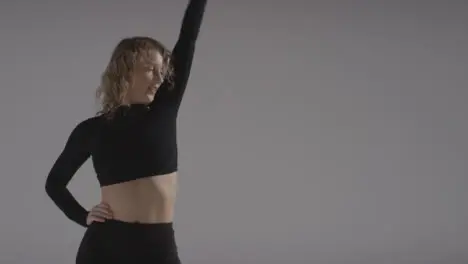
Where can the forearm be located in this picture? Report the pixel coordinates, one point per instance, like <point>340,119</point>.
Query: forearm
<point>183,54</point>
<point>63,198</point>
<point>192,21</point>
<point>75,153</point>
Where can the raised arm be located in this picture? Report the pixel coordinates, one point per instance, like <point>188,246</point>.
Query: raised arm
<point>183,52</point>
<point>74,154</point>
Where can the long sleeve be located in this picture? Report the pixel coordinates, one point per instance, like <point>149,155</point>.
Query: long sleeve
<point>183,53</point>
<point>72,157</point>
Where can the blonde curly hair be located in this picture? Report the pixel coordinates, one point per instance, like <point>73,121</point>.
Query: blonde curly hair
<point>117,77</point>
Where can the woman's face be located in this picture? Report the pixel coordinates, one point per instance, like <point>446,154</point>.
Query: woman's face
<point>146,78</point>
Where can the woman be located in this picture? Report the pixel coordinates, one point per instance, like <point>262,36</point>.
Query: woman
<point>132,143</point>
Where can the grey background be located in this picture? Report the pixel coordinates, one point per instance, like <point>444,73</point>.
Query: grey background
<point>312,131</point>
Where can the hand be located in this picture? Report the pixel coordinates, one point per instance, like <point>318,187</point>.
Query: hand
<point>99,213</point>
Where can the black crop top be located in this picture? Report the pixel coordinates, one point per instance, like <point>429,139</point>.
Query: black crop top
<point>139,141</point>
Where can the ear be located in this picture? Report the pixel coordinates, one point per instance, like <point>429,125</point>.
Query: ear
<point>130,80</point>
<point>129,75</point>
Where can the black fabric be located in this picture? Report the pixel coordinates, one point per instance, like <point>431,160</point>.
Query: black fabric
<point>117,242</point>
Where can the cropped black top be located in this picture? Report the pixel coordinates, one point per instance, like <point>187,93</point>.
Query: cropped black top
<point>139,141</point>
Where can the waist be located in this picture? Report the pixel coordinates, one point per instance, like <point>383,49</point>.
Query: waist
<point>124,228</point>
<point>145,200</point>
<point>124,240</point>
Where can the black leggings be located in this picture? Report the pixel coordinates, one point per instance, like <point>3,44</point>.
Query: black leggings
<point>117,242</point>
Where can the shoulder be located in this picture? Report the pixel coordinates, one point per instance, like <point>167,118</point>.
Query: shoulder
<point>88,123</point>
<point>87,126</point>
<point>83,133</point>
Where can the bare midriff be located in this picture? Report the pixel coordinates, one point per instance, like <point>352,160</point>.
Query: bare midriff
<point>146,200</point>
